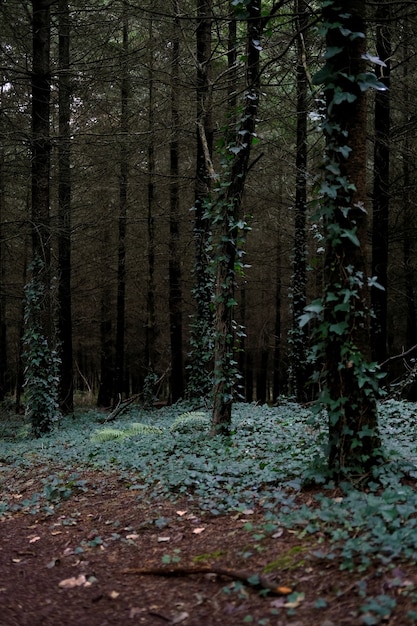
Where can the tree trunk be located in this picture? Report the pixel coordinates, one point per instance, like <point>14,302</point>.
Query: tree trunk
<point>39,352</point>
<point>202,324</point>
<point>175,290</point>
<point>105,392</point>
<point>408,204</point>
<point>119,382</point>
<point>226,213</point>
<point>3,335</point>
<point>350,381</point>
<point>381,190</point>
<point>150,329</point>
<point>64,202</point>
<point>299,279</point>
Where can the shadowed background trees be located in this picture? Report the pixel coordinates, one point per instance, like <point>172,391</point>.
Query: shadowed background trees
<point>141,101</point>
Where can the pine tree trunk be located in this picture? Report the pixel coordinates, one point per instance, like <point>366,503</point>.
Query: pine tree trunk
<point>201,329</point>
<point>353,423</point>
<point>228,204</point>
<point>175,288</point>
<point>119,382</point>
<point>150,329</point>
<point>299,280</point>
<point>381,189</point>
<point>64,201</point>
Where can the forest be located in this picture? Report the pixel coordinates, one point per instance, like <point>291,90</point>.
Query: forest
<point>118,127</point>
<point>208,323</point>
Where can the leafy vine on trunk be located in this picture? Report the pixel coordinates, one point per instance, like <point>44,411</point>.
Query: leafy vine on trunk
<point>228,225</point>
<point>350,381</point>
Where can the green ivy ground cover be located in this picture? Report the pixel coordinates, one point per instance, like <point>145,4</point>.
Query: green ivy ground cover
<point>271,454</point>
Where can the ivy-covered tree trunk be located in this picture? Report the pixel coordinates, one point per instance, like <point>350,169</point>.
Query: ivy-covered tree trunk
<point>226,216</point>
<point>66,385</point>
<point>381,188</point>
<point>350,380</point>
<point>41,373</point>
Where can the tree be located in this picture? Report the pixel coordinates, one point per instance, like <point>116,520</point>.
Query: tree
<point>199,379</point>
<point>66,383</point>
<point>41,378</point>
<point>225,215</point>
<point>175,287</point>
<point>343,334</point>
<point>381,187</point>
<point>298,335</point>
<point>119,385</point>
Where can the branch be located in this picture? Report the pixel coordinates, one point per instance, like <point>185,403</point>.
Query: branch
<point>247,578</point>
<point>398,356</point>
<point>121,406</point>
<point>207,158</point>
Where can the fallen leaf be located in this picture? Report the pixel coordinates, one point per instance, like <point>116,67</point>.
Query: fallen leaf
<point>163,539</point>
<point>180,617</point>
<point>134,611</point>
<point>248,512</point>
<point>70,583</point>
<point>198,531</point>
<point>114,594</point>
<point>132,536</point>
<point>34,539</point>
<point>56,532</point>
<point>181,513</point>
<point>278,534</point>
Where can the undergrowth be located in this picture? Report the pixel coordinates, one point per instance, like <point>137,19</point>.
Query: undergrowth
<point>271,454</point>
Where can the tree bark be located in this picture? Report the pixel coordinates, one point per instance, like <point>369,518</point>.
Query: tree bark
<point>66,385</point>
<point>201,329</point>
<point>175,288</point>
<point>381,189</point>
<point>119,382</point>
<point>299,278</point>
<point>227,207</point>
<point>353,422</point>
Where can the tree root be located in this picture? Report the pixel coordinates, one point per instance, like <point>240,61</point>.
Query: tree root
<point>257,581</point>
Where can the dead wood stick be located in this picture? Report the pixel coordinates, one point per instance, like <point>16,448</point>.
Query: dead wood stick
<point>248,578</point>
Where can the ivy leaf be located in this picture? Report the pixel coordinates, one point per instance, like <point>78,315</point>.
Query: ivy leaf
<point>373,59</point>
<point>344,96</point>
<point>333,51</point>
<point>323,75</point>
<point>339,328</point>
<point>368,80</point>
<point>351,235</point>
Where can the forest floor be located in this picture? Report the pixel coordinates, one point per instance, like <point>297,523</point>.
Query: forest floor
<point>101,557</point>
<point>148,520</point>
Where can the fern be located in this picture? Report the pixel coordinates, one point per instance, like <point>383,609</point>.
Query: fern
<point>107,434</point>
<point>137,428</point>
<point>192,420</point>
<point>110,434</point>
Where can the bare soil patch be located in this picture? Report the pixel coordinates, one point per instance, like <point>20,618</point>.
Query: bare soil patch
<point>83,565</point>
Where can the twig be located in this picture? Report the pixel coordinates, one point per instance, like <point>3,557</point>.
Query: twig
<point>248,578</point>
<point>398,356</point>
<point>121,406</point>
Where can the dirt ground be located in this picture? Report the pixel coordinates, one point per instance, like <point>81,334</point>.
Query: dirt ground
<point>83,566</point>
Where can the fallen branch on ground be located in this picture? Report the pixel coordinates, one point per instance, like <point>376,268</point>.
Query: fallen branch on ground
<point>253,580</point>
